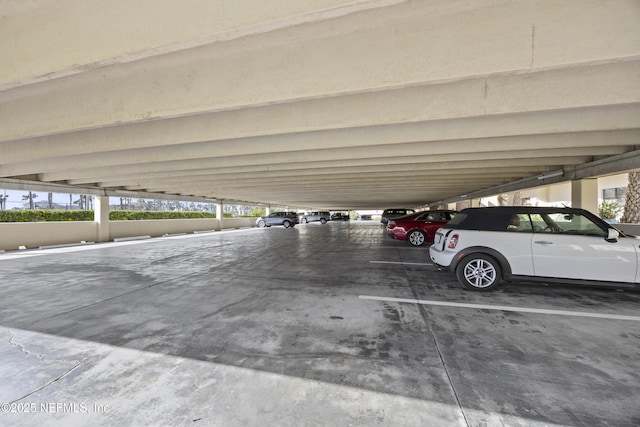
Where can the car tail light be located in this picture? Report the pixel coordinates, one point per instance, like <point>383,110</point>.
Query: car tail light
<point>453,241</point>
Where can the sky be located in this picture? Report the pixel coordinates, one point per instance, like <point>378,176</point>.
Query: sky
<point>15,201</point>
<point>15,198</point>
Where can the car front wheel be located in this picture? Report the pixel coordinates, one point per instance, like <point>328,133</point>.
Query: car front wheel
<point>323,221</point>
<point>286,224</point>
<point>416,238</point>
<point>478,272</point>
<point>261,223</point>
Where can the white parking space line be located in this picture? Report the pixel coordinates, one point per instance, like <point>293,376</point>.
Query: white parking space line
<point>401,263</point>
<point>504,308</point>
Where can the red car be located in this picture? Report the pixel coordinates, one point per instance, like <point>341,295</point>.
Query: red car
<point>418,228</point>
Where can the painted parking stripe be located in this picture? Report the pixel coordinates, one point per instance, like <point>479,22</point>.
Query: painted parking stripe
<point>400,263</point>
<point>94,246</point>
<point>504,308</point>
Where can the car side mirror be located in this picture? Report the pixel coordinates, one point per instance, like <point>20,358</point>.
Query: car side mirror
<point>612,235</point>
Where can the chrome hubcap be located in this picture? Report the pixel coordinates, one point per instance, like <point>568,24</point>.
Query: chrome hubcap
<point>480,273</point>
<point>416,239</point>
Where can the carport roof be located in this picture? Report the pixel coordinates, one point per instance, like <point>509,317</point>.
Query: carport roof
<point>331,104</point>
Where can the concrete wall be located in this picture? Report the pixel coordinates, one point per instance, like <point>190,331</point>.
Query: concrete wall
<point>155,228</point>
<point>629,228</point>
<point>13,235</point>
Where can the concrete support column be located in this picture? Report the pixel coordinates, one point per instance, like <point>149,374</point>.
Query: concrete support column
<point>219,213</point>
<point>474,203</point>
<point>584,194</point>
<point>101,217</point>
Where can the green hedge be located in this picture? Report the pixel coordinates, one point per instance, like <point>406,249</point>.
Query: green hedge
<point>137,215</point>
<point>83,215</point>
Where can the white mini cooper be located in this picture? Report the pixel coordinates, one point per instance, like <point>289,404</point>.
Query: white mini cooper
<point>484,246</point>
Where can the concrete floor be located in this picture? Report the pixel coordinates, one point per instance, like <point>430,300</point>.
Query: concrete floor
<point>302,327</point>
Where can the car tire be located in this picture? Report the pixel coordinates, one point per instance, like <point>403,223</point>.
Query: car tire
<point>323,221</point>
<point>305,221</point>
<point>416,238</point>
<point>479,272</point>
<point>286,224</point>
<point>261,224</point>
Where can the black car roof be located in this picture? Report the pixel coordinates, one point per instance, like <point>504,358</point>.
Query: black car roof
<point>497,218</point>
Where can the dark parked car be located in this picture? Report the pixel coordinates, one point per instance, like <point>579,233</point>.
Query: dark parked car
<point>321,216</point>
<point>420,227</point>
<point>339,216</point>
<point>484,246</point>
<point>287,219</point>
<point>388,214</point>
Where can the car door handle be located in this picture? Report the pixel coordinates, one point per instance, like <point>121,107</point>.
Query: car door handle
<point>543,242</point>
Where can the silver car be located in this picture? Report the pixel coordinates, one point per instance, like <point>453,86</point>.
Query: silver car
<point>319,216</point>
<point>286,219</point>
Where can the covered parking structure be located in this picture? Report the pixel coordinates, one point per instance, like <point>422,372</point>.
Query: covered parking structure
<point>332,324</point>
<point>332,104</point>
<point>324,104</point>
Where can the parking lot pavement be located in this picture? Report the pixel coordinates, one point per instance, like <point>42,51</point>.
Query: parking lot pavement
<point>332,324</point>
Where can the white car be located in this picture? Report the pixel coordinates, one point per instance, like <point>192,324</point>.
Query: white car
<point>321,216</point>
<point>484,246</point>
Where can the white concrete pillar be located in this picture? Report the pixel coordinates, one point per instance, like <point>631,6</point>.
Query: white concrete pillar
<point>219,214</point>
<point>584,194</point>
<point>101,217</point>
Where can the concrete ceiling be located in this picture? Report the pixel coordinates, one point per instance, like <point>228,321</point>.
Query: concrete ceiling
<point>320,103</point>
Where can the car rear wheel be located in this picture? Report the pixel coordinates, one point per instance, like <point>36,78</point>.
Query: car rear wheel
<point>479,272</point>
<point>323,221</point>
<point>305,221</point>
<point>416,238</point>
<point>286,224</point>
<point>261,223</point>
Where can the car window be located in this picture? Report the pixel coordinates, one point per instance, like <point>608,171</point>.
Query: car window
<point>541,224</point>
<point>520,223</point>
<point>563,223</point>
<point>436,216</point>
<point>577,224</point>
<point>398,211</point>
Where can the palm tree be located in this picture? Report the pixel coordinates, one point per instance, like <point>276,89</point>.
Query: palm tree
<point>632,205</point>
<point>517,198</point>
<point>30,198</point>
